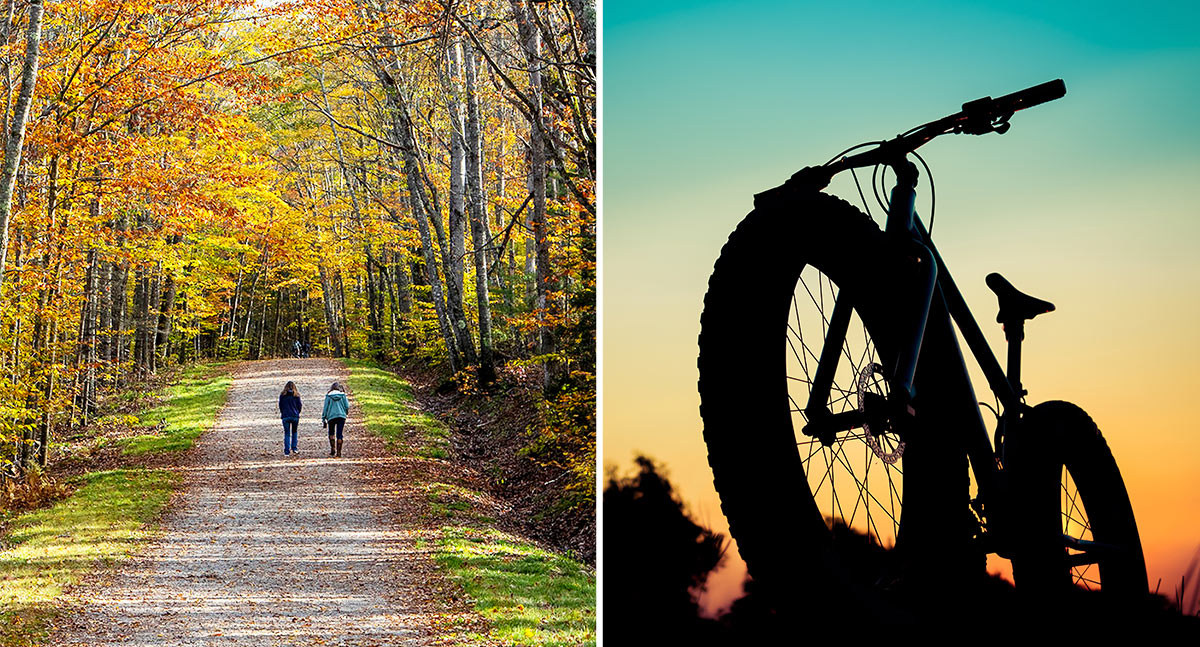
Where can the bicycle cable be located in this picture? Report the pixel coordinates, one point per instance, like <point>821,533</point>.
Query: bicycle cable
<point>932,192</point>
<point>879,188</point>
<point>862,197</point>
<point>880,197</point>
<point>850,150</point>
<point>857,185</point>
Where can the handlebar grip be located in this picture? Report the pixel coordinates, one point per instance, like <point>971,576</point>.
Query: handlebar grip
<point>1030,97</point>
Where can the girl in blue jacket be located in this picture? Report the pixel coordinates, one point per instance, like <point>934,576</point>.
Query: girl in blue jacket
<point>289,411</point>
<point>337,407</point>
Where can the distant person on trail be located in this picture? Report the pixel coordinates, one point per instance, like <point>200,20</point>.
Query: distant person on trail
<point>337,407</point>
<point>289,410</point>
<point>297,347</point>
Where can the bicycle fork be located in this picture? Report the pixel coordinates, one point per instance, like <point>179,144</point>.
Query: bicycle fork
<point>901,223</point>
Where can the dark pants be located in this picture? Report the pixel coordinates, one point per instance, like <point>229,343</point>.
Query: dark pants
<point>336,425</point>
<point>291,426</point>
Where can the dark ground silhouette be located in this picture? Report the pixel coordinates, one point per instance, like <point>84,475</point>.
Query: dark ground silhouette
<point>657,559</point>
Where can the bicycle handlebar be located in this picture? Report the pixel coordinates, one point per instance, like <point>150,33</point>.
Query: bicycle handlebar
<point>1030,97</point>
<point>978,117</point>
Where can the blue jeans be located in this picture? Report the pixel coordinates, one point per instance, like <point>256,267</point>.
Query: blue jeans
<point>292,424</point>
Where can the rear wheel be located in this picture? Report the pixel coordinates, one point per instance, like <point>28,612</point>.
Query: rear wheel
<point>1077,525</point>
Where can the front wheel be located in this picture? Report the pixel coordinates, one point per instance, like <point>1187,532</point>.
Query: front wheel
<point>1077,526</point>
<point>815,521</point>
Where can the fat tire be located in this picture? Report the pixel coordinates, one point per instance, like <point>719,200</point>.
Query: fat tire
<point>1053,435</point>
<point>757,470</point>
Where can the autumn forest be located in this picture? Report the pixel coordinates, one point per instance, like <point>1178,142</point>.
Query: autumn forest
<point>350,178</point>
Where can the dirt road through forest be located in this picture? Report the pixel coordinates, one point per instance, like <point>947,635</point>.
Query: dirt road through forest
<point>259,548</point>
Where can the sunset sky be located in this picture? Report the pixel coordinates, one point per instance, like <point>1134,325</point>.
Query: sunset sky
<point>1089,202</point>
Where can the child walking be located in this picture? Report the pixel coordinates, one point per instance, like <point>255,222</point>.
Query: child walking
<point>337,407</point>
<point>289,411</point>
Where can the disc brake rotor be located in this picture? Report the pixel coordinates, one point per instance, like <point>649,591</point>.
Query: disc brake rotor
<point>866,379</point>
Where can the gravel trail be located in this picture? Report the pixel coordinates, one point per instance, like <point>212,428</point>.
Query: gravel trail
<point>259,548</point>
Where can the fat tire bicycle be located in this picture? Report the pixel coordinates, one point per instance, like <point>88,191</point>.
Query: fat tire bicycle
<point>836,402</point>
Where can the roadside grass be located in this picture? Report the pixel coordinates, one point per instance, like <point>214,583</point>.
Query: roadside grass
<point>188,410</point>
<point>49,549</point>
<point>528,595</point>
<point>390,410</point>
<point>107,517</point>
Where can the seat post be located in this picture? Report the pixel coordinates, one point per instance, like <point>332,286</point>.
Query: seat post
<point>1014,334</point>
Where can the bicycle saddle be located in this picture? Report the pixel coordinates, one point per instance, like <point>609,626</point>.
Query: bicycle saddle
<point>1015,306</point>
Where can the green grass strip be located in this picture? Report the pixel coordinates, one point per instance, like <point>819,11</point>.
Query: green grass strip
<point>389,408</point>
<point>49,549</point>
<point>188,410</point>
<point>106,518</point>
<point>529,595</point>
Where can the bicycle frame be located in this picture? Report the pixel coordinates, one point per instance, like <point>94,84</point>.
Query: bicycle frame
<point>938,292</point>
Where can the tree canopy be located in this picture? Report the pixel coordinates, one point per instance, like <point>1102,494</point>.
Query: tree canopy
<point>222,178</point>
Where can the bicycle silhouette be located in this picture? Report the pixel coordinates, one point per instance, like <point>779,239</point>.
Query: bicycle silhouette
<point>834,395</point>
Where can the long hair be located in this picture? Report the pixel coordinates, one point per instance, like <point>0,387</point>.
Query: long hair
<point>290,389</point>
<point>337,386</point>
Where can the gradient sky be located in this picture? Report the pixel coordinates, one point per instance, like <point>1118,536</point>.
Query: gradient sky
<point>1088,202</point>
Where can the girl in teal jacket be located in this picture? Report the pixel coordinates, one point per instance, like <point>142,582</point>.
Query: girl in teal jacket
<point>337,407</point>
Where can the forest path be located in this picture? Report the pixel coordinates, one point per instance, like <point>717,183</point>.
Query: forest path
<point>259,548</point>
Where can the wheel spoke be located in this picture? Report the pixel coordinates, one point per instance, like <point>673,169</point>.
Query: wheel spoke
<point>844,464</point>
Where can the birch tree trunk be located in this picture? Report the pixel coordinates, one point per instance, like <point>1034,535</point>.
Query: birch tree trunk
<point>457,250</point>
<point>585,15</point>
<point>530,43</point>
<point>402,133</point>
<point>477,207</point>
<point>16,130</point>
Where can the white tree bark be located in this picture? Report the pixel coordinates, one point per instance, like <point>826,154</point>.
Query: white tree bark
<point>16,131</point>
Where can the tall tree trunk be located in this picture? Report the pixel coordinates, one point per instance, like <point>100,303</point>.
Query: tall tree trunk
<point>233,301</point>
<point>345,322</point>
<point>152,318</point>
<point>141,306</point>
<point>120,307</point>
<point>86,349</point>
<point>165,311</point>
<point>278,313</point>
<point>401,270</point>
<point>16,130</point>
<point>477,205</point>
<point>537,186</point>
<point>375,347</point>
<point>262,326</point>
<point>585,15</point>
<point>387,69</point>
<point>456,222</point>
<point>331,320</point>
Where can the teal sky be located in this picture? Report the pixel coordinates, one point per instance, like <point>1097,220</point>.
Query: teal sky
<point>1088,201</point>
